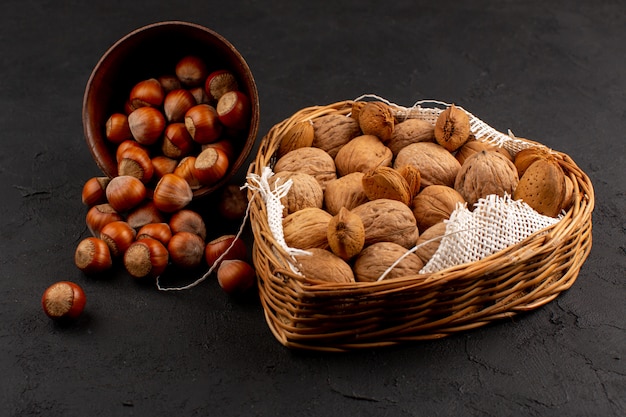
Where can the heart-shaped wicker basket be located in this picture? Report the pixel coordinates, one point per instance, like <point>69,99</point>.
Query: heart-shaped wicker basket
<point>338,317</point>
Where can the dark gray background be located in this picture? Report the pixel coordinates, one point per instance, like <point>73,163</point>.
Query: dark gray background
<point>549,70</point>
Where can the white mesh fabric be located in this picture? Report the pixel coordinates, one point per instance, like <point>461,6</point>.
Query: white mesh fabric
<point>495,224</point>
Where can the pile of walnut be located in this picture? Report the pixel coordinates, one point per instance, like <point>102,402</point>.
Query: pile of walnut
<point>367,187</point>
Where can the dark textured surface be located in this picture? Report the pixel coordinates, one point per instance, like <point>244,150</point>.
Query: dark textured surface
<point>549,70</point>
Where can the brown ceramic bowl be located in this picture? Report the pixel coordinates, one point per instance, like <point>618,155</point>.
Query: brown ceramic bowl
<point>152,51</point>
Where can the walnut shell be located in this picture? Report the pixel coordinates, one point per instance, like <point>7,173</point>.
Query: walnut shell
<point>452,128</point>
<point>386,182</point>
<point>362,153</point>
<point>312,161</point>
<point>543,187</point>
<point>332,131</point>
<point>434,204</point>
<point>388,221</point>
<point>485,173</point>
<point>430,241</point>
<point>470,148</point>
<point>408,132</point>
<point>307,228</point>
<point>436,165</point>
<point>375,118</point>
<point>300,135</point>
<point>346,191</point>
<point>374,260</point>
<point>413,178</point>
<point>346,234</point>
<point>305,191</point>
<point>323,266</point>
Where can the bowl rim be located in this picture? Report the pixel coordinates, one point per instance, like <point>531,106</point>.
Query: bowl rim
<point>97,145</point>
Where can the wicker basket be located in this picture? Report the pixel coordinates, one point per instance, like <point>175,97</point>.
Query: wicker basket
<point>337,317</point>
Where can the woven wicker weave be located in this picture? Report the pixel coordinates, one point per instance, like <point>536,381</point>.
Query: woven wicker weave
<point>340,317</point>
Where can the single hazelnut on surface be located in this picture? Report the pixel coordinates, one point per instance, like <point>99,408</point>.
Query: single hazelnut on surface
<point>117,128</point>
<point>186,171</point>
<point>135,161</point>
<point>63,299</point>
<point>169,82</point>
<point>177,142</point>
<point>191,70</point>
<point>186,250</point>
<point>94,191</point>
<point>145,213</point>
<point>146,125</point>
<point>100,215</point>
<point>172,193</point>
<point>186,220</point>
<point>203,123</point>
<point>233,202</point>
<point>233,110</point>
<point>163,165</point>
<point>159,231</point>
<point>125,192</point>
<point>146,258</point>
<point>227,247</point>
<point>220,82</point>
<point>92,256</point>
<point>210,166</point>
<point>147,93</point>
<point>118,236</point>
<point>235,275</point>
<point>176,104</point>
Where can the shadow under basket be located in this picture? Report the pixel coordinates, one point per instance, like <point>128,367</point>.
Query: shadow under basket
<point>340,317</point>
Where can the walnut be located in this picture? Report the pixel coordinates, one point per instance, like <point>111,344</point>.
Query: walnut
<point>413,178</point>
<point>386,182</point>
<point>408,132</point>
<point>473,146</point>
<point>300,135</point>
<point>312,161</point>
<point>346,234</point>
<point>430,241</point>
<point>485,173</point>
<point>362,153</point>
<point>436,165</point>
<point>346,191</point>
<point>323,266</point>
<point>388,221</point>
<point>305,191</point>
<point>332,131</point>
<point>434,204</point>
<point>374,260</point>
<point>307,228</point>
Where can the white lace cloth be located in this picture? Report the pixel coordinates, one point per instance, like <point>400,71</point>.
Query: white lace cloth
<point>495,224</point>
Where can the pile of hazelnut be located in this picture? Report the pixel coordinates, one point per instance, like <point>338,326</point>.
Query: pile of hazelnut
<point>173,135</point>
